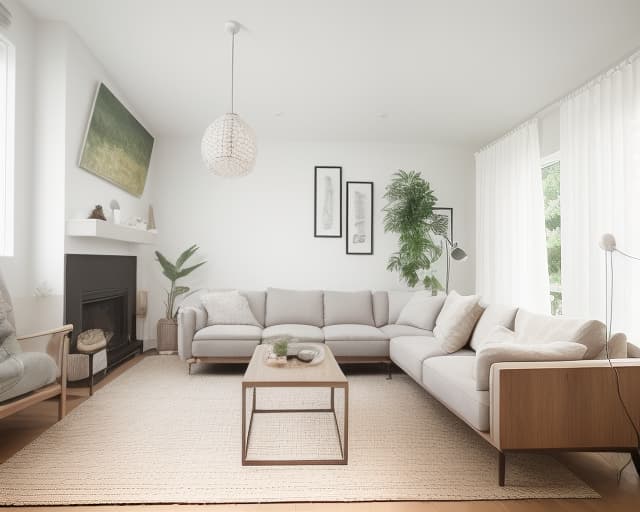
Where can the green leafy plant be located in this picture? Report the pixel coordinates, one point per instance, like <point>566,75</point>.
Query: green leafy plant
<point>173,272</point>
<point>281,348</point>
<point>409,213</point>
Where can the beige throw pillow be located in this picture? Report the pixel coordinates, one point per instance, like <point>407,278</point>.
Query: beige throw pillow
<point>422,310</point>
<point>228,308</point>
<point>456,321</point>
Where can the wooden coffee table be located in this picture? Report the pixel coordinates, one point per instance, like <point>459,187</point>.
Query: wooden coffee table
<point>326,374</point>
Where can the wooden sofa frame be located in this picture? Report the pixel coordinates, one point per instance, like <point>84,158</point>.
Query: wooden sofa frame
<point>61,337</point>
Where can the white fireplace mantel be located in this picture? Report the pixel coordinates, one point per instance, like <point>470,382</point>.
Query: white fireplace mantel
<point>95,228</point>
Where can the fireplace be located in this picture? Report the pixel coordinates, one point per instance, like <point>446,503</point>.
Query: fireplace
<point>100,293</point>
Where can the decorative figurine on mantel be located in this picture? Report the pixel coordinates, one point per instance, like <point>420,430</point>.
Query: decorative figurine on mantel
<point>97,213</point>
<point>115,211</point>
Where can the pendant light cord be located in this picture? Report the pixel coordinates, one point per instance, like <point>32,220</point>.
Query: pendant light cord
<point>233,40</point>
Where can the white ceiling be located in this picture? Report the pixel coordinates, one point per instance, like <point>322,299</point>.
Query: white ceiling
<point>463,71</point>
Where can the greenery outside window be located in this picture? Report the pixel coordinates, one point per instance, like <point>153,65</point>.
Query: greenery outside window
<point>551,189</point>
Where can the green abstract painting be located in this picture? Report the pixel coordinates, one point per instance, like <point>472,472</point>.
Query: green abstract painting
<point>117,147</point>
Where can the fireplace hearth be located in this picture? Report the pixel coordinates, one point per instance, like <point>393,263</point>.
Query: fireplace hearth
<point>100,293</point>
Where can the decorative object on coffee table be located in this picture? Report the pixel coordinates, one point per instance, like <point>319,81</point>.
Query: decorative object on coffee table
<point>409,213</point>
<point>359,217</point>
<point>327,202</point>
<point>167,330</point>
<point>97,213</point>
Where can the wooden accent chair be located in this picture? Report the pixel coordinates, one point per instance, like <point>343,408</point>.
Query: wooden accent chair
<point>32,368</point>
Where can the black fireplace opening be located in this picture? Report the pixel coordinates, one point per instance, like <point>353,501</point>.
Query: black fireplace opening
<point>100,293</point>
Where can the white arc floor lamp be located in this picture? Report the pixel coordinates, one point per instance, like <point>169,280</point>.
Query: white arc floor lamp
<point>229,144</point>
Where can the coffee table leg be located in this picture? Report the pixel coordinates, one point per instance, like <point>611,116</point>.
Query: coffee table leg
<point>244,424</point>
<point>333,407</point>
<point>90,374</point>
<point>346,424</point>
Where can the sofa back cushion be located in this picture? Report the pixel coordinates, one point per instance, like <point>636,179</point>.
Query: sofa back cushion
<point>494,315</point>
<point>397,301</point>
<point>228,308</point>
<point>536,328</point>
<point>348,308</point>
<point>380,308</point>
<point>294,307</point>
<point>422,310</point>
<point>256,299</point>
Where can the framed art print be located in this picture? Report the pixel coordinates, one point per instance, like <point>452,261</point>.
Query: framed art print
<point>327,202</point>
<point>359,217</point>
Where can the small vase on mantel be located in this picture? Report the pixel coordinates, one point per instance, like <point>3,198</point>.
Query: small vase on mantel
<point>167,338</point>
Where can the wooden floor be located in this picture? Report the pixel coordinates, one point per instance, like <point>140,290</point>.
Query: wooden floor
<point>599,471</point>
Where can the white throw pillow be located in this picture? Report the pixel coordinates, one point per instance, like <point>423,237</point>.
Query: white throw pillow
<point>228,308</point>
<point>456,321</point>
<point>422,310</point>
<point>491,353</point>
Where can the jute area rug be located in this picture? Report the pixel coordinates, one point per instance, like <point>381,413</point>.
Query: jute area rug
<point>158,435</point>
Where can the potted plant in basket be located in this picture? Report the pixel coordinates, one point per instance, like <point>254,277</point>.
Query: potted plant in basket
<point>168,326</point>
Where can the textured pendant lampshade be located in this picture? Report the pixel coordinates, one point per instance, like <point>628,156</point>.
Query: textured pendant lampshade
<point>229,144</point>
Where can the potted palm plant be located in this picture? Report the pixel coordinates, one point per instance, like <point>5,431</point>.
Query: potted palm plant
<point>167,334</point>
<point>409,213</point>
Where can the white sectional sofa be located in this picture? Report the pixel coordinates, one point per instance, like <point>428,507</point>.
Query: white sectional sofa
<point>368,327</point>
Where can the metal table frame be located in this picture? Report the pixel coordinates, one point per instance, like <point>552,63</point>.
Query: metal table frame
<point>246,430</point>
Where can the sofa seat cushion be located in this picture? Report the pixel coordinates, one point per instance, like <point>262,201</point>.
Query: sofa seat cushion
<point>408,352</point>
<point>224,348</point>
<point>395,330</point>
<point>353,332</point>
<point>359,348</point>
<point>450,380</point>
<point>229,332</point>
<point>34,370</point>
<point>299,331</point>
<point>537,328</point>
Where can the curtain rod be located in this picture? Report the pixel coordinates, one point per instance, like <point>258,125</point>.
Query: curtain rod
<point>601,75</point>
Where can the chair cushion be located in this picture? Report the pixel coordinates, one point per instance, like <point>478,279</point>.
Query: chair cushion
<point>294,307</point>
<point>456,321</point>
<point>348,308</point>
<point>39,369</point>
<point>450,380</point>
<point>353,332</point>
<point>491,353</point>
<point>300,332</point>
<point>493,315</point>
<point>229,332</point>
<point>408,352</point>
<point>224,348</point>
<point>395,330</point>
<point>422,310</point>
<point>397,300</point>
<point>537,328</point>
<point>380,308</point>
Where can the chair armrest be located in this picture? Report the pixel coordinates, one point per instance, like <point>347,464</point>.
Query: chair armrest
<point>563,404</point>
<point>54,342</point>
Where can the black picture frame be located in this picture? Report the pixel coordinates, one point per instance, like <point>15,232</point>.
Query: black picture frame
<point>337,231</point>
<point>368,249</point>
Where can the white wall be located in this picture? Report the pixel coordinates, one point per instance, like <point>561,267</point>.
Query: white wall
<point>257,231</point>
<point>16,268</point>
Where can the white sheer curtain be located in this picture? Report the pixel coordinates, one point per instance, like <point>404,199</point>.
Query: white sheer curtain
<point>600,192</point>
<point>511,263</point>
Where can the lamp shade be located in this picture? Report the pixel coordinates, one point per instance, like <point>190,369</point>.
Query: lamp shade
<point>458,254</point>
<point>229,146</point>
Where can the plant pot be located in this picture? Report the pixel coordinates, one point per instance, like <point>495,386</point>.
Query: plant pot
<point>167,338</point>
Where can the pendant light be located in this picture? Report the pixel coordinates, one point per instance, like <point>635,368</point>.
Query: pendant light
<point>229,144</point>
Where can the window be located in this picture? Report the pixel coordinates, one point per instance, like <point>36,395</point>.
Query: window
<point>7,127</point>
<point>551,190</point>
